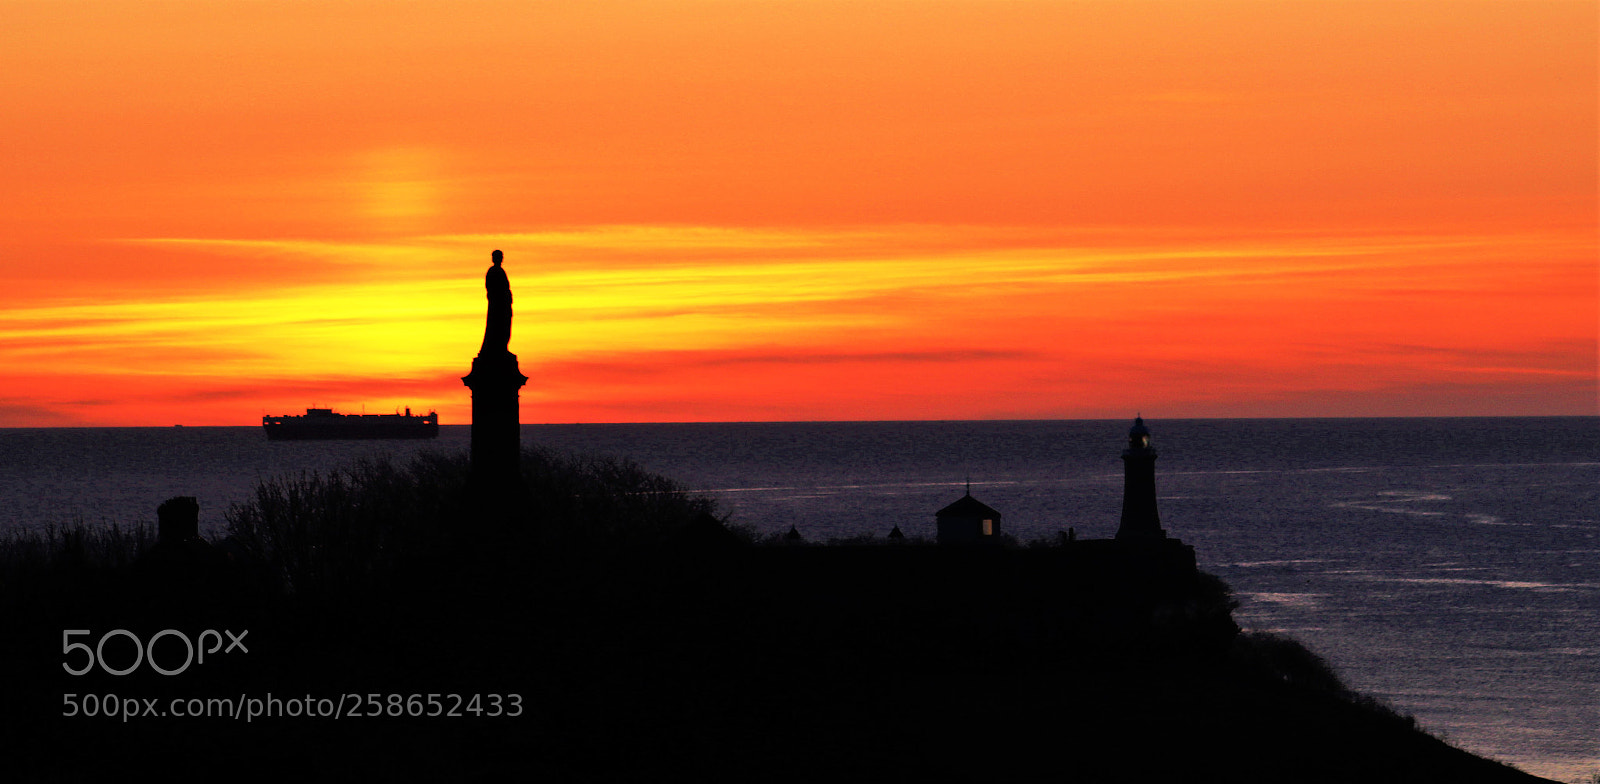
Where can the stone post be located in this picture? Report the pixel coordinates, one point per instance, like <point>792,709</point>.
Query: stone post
<point>496,382</point>
<point>178,520</point>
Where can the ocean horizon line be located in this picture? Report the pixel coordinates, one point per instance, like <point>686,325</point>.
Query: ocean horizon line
<point>1450,417</point>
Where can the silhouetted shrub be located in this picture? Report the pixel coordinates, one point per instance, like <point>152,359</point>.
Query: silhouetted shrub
<point>351,528</point>
<point>872,540</point>
<point>1285,660</point>
<point>1213,597</point>
<point>589,501</point>
<point>73,546</point>
<point>346,528</point>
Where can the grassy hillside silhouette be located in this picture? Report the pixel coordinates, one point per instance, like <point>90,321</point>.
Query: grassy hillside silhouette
<point>645,638</point>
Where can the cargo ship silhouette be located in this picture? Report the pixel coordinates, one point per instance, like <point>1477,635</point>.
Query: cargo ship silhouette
<point>322,423</point>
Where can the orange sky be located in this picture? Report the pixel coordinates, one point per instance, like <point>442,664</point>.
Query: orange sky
<point>775,210</point>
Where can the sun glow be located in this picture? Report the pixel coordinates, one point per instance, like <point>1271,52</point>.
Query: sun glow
<point>777,316</point>
<point>401,188</point>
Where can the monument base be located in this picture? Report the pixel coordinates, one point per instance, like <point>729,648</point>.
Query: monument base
<point>495,382</point>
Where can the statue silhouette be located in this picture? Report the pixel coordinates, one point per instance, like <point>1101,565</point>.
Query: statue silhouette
<point>494,381</point>
<point>497,327</point>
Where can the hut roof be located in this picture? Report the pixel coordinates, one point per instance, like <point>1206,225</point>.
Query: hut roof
<point>967,506</point>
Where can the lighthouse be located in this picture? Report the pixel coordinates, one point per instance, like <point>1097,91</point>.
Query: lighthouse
<point>1139,519</point>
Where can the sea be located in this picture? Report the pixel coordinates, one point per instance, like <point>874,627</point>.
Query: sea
<point>1449,567</point>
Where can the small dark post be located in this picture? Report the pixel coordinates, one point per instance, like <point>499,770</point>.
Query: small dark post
<point>495,382</point>
<point>1139,518</point>
<point>178,520</point>
<point>183,578</point>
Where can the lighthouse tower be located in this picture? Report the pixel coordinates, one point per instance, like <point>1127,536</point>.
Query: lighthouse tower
<point>1139,519</point>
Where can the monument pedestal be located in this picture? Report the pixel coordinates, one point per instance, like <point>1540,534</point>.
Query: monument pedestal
<point>495,382</point>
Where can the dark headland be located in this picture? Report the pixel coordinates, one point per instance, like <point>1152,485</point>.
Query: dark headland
<point>645,638</point>
<point>517,613</point>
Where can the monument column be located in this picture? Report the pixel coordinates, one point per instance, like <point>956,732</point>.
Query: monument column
<point>495,382</point>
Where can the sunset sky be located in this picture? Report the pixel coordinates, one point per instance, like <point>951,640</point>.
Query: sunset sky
<point>812,209</point>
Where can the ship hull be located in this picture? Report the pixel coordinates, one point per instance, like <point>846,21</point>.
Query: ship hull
<point>323,425</point>
<point>324,432</point>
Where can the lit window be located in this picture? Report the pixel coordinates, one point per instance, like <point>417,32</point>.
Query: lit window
<point>988,528</point>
